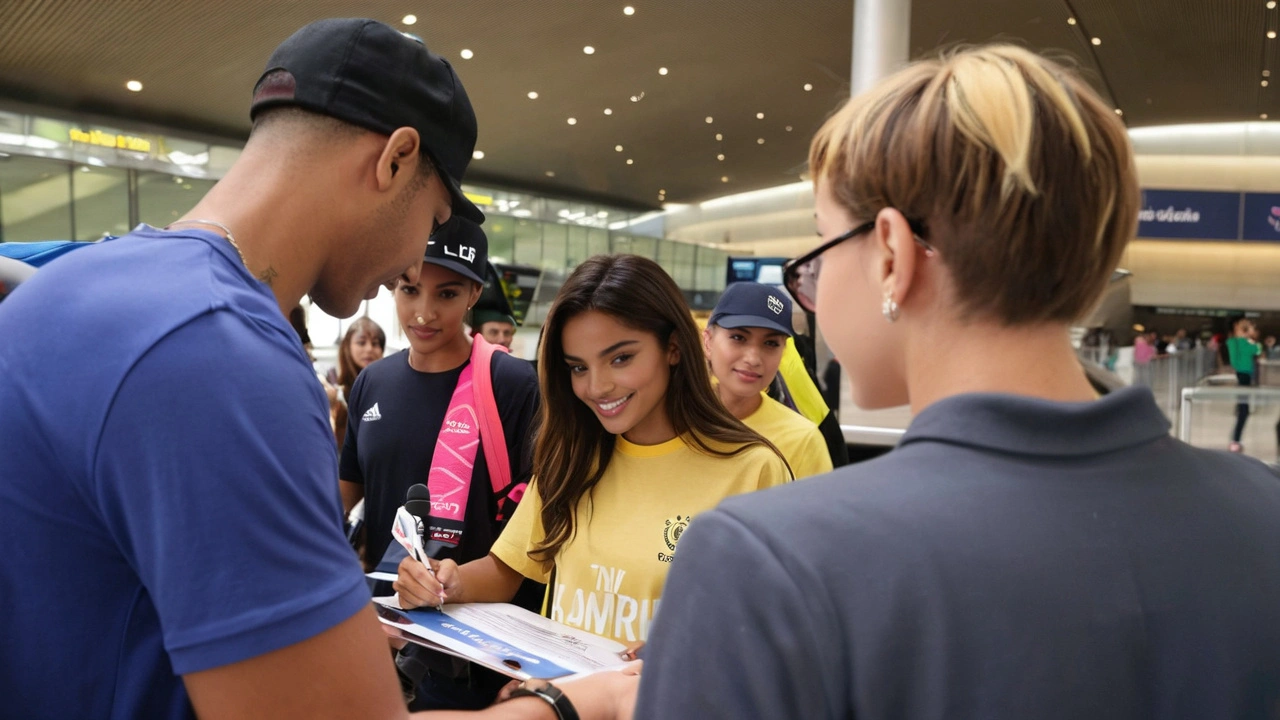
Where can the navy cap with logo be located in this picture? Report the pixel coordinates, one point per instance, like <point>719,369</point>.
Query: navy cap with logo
<point>461,246</point>
<point>371,75</point>
<point>753,305</point>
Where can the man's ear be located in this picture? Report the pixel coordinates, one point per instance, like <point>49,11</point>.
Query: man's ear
<point>399,158</point>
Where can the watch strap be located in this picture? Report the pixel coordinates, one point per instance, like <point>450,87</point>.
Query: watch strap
<point>551,695</point>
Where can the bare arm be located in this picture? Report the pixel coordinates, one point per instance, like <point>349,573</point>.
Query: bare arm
<point>485,580</point>
<point>352,493</point>
<point>343,672</point>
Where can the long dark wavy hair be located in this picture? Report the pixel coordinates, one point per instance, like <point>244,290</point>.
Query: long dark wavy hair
<point>573,449</point>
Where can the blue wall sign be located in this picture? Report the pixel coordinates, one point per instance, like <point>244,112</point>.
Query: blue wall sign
<point>1191,215</point>
<point>1261,217</point>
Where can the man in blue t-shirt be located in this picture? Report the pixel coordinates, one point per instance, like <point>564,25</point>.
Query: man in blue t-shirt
<point>168,503</point>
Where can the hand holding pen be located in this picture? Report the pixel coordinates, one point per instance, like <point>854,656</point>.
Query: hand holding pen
<point>420,584</point>
<point>407,530</point>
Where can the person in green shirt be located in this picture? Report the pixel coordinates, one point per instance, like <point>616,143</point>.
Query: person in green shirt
<point>1243,351</point>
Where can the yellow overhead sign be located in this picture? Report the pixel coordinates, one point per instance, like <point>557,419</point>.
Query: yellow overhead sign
<point>104,139</point>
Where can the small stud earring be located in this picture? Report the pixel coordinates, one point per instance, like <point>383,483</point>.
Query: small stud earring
<point>890,308</point>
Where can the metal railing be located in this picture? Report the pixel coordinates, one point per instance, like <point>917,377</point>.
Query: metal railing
<point>1256,397</point>
<point>1169,375</point>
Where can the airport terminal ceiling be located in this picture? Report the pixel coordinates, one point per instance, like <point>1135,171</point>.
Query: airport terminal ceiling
<point>679,101</point>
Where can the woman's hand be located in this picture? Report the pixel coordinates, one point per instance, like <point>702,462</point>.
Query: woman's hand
<point>608,695</point>
<point>633,651</point>
<point>419,588</point>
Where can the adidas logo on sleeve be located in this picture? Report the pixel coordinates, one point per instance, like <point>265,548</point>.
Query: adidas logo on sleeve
<point>372,414</point>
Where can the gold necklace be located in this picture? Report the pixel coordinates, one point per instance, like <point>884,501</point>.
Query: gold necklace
<point>213,223</point>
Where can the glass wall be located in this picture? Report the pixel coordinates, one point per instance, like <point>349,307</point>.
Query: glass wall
<point>100,204</point>
<point>163,198</point>
<point>35,199</point>
<point>63,180</point>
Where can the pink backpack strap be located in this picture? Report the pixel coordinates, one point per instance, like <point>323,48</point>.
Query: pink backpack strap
<point>492,438</point>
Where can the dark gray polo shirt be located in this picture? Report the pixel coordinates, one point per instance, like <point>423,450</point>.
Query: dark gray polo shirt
<point>1013,558</point>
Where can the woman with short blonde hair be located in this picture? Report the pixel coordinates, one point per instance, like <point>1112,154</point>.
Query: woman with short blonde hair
<point>1029,550</point>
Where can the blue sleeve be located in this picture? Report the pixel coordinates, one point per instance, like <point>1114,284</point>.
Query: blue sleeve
<point>216,475</point>
<point>740,634</point>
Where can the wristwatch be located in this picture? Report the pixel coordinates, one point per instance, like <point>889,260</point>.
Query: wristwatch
<point>549,694</point>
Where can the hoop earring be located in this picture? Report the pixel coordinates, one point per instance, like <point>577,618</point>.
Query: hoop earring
<point>890,308</point>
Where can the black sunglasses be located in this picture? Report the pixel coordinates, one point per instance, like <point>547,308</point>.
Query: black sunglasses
<point>800,276</point>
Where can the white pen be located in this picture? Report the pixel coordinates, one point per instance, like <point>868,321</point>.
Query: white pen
<point>422,558</point>
<point>407,530</point>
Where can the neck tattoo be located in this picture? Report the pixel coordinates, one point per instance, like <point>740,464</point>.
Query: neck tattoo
<point>266,277</point>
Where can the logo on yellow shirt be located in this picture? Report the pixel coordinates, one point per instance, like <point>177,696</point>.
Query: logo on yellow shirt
<point>675,527</point>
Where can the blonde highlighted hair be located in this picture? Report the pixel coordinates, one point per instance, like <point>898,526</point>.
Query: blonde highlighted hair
<point>1022,177</point>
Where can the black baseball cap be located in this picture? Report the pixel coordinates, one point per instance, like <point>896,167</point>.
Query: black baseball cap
<point>373,76</point>
<point>461,246</point>
<point>749,304</point>
<point>480,317</point>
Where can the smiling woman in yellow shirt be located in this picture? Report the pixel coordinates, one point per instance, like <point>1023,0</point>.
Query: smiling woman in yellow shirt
<point>633,446</point>
<point>745,341</point>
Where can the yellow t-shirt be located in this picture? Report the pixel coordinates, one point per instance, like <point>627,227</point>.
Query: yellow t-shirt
<point>799,440</point>
<point>609,576</point>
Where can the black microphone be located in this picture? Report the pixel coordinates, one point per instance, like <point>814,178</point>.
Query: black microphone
<point>418,503</point>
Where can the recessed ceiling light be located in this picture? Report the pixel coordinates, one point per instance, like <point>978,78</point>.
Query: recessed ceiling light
<point>788,128</point>
<point>720,157</point>
<point>589,50</point>
<point>1097,41</point>
<point>724,178</point>
<point>1263,116</point>
<point>635,98</point>
<point>662,71</point>
<point>617,148</point>
<point>719,137</point>
<point>710,119</point>
<point>662,191</point>
<point>134,86</point>
<point>630,161</point>
<point>478,155</point>
<point>551,173</point>
<point>808,87</point>
<point>1271,34</point>
<point>759,141</point>
<point>1071,21</point>
<point>759,116</point>
<point>608,111</point>
<point>628,10</point>
<point>533,95</point>
<point>409,19</point>
<point>573,121</point>
<point>1266,73</point>
<point>466,54</point>
<point>1271,5</point>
